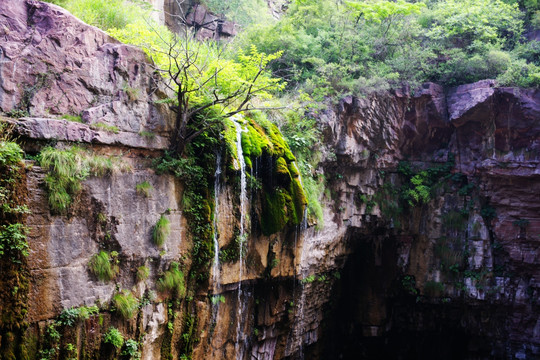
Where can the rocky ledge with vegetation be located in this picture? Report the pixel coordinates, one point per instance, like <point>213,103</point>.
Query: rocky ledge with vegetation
<point>339,179</point>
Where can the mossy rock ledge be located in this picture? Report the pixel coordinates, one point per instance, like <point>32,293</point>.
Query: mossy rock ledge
<point>271,163</point>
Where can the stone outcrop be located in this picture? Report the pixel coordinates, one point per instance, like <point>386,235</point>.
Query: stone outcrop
<point>192,13</point>
<point>208,25</point>
<point>52,64</point>
<point>455,276</point>
<point>459,266</point>
<point>69,131</point>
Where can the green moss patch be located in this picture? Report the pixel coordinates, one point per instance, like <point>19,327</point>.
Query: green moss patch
<point>14,272</point>
<point>283,197</point>
<point>275,213</point>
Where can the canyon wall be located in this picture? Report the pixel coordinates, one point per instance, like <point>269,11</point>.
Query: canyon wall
<point>429,247</point>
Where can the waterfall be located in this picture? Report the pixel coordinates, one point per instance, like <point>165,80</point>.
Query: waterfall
<point>215,265</point>
<point>297,335</point>
<point>243,199</point>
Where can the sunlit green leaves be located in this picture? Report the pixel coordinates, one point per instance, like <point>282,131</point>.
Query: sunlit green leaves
<point>377,11</point>
<point>465,21</point>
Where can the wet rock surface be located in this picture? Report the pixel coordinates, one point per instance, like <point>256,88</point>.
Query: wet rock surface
<point>454,277</point>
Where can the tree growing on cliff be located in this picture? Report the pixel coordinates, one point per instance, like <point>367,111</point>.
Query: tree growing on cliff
<point>209,83</point>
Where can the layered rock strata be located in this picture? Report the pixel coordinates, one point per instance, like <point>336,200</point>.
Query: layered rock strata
<point>457,271</point>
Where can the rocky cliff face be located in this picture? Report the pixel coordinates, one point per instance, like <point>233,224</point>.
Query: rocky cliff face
<point>435,257</point>
<point>452,276</point>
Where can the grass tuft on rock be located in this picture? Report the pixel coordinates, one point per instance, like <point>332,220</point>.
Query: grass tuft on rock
<point>172,281</point>
<point>66,169</point>
<point>161,231</point>
<point>103,266</point>
<point>125,304</point>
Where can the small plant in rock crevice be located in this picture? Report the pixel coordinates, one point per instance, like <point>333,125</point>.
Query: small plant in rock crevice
<point>125,304</point>
<point>144,188</point>
<point>172,281</point>
<point>142,273</point>
<point>488,212</point>
<point>433,288</point>
<point>70,316</point>
<point>147,134</point>
<point>114,337</point>
<point>103,266</point>
<point>408,283</point>
<point>216,299</point>
<point>521,223</point>
<point>131,349</point>
<point>72,118</point>
<point>161,231</point>
<point>105,127</point>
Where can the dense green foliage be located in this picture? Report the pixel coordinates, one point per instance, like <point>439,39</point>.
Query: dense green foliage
<point>300,130</point>
<point>14,271</point>
<point>209,83</point>
<point>331,47</point>
<point>284,198</point>
<point>13,241</point>
<point>12,234</point>
<point>106,14</point>
<point>418,183</point>
<point>195,171</point>
<point>243,12</point>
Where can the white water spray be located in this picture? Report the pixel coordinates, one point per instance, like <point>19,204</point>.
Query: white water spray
<point>297,336</point>
<point>215,265</point>
<point>239,345</point>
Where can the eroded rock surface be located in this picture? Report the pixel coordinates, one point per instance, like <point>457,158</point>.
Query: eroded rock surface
<point>54,64</point>
<point>454,277</point>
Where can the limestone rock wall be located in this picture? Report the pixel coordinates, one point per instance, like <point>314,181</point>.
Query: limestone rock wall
<point>462,266</point>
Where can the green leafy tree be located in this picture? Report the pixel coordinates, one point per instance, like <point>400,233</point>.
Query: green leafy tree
<point>208,82</point>
<point>469,24</point>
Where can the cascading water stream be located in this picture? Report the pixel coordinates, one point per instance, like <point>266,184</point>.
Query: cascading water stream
<point>296,340</point>
<point>215,265</point>
<point>243,198</point>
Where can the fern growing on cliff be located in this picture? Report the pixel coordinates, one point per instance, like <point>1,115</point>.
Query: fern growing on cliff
<point>114,337</point>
